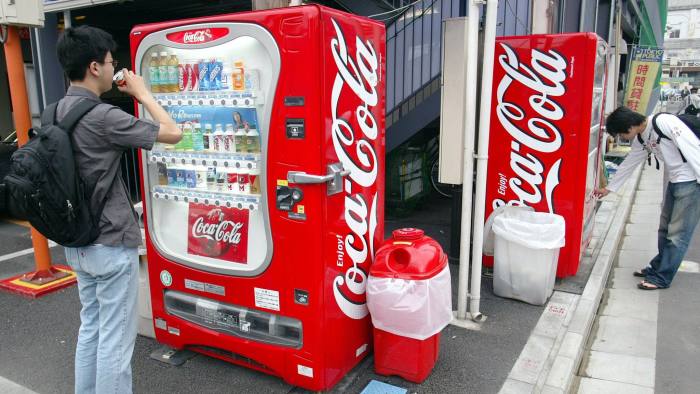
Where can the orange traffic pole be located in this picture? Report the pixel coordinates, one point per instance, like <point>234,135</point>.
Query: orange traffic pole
<point>23,122</point>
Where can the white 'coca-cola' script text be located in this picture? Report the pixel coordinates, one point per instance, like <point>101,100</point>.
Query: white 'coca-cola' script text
<point>545,76</point>
<point>360,75</point>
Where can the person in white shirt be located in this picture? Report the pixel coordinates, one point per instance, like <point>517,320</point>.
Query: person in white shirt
<point>679,149</point>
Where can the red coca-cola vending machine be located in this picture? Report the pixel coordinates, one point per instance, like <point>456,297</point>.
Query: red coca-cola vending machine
<point>547,109</point>
<point>262,223</point>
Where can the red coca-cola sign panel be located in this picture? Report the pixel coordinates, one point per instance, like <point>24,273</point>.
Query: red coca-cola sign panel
<point>356,112</point>
<point>198,36</point>
<point>217,232</point>
<point>542,128</point>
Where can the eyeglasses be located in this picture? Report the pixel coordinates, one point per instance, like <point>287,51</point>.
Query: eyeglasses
<point>115,63</point>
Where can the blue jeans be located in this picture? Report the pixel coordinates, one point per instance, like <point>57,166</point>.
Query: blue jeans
<point>679,217</point>
<point>108,286</point>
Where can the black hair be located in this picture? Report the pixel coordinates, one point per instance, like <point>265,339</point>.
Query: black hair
<point>621,119</point>
<point>78,47</point>
<point>693,90</point>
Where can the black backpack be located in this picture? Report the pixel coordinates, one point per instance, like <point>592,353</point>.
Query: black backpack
<point>44,185</point>
<point>691,121</point>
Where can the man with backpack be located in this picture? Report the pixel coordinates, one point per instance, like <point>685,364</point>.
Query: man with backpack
<point>107,268</point>
<point>674,140</point>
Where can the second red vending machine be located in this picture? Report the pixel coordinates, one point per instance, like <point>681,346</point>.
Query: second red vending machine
<point>547,109</point>
<point>263,221</point>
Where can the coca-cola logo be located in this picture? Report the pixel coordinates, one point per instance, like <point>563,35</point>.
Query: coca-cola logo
<point>226,231</point>
<point>534,130</point>
<point>357,154</point>
<point>199,36</point>
<point>220,233</point>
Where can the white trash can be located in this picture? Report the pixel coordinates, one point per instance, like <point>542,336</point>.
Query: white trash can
<point>526,250</point>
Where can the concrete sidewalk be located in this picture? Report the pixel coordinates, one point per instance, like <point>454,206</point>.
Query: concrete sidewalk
<point>645,341</point>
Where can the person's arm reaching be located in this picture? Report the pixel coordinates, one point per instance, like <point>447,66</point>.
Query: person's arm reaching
<point>168,132</point>
<point>636,156</point>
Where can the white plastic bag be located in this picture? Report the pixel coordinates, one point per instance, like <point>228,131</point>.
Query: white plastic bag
<point>535,230</point>
<point>415,309</point>
<point>488,233</point>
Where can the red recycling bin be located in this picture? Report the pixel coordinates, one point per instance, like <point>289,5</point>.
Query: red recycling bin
<point>410,300</point>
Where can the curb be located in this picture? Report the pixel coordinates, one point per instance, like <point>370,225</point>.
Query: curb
<point>553,353</point>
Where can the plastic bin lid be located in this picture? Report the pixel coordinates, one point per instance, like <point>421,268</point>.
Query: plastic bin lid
<point>409,255</point>
<point>488,231</point>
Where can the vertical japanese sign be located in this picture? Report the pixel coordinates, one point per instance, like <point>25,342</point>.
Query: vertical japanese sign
<point>645,64</point>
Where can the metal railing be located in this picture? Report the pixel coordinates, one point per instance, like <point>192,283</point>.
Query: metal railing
<point>414,48</point>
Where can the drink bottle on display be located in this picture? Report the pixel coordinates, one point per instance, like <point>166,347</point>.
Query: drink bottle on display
<point>252,80</point>
<point>179,144</point>
<point>252,141</point>
<point>186,142</point>
<point>208,138</point>
<point>229,139</point>
<point>238,76</point>
<point>154,73</point>
<point>219,139</point>
<point>163,73</point>
<point>173,77</point>
<point>197,137</point>
<point>240,140</point>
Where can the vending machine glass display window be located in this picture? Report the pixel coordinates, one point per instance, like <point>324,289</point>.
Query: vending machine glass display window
<point>217,97</point>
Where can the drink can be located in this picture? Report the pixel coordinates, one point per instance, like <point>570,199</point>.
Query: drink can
<point>211,178</point>
<point>182,77</point>
<point>254,179</point>
<point>202,177</point>
<point>221,181</point>
<point>190,178</point>
<point>119,78</point>
<point>194,77</point>
<point>243,182</point>
<point>172,177</point>
<point>232,180</point>
<point>215,70</point>
<point>203,75</point>
<point>180,177</point>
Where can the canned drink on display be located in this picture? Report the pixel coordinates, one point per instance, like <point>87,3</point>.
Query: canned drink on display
<point>194,77</point>
<point>119,78</point>
<point>243,181</point>
<point>190,178</point>
<point>232,180</point>
<point>172,177</point>
<point>180,177</point>
<point>202,177</point>
<point>203,76</point>
<point>182,77</point>
<point>211,178</point>
<point>215,70</point>
<point>221,181</point>
<point>162,174</point>
<point>254,179</point>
